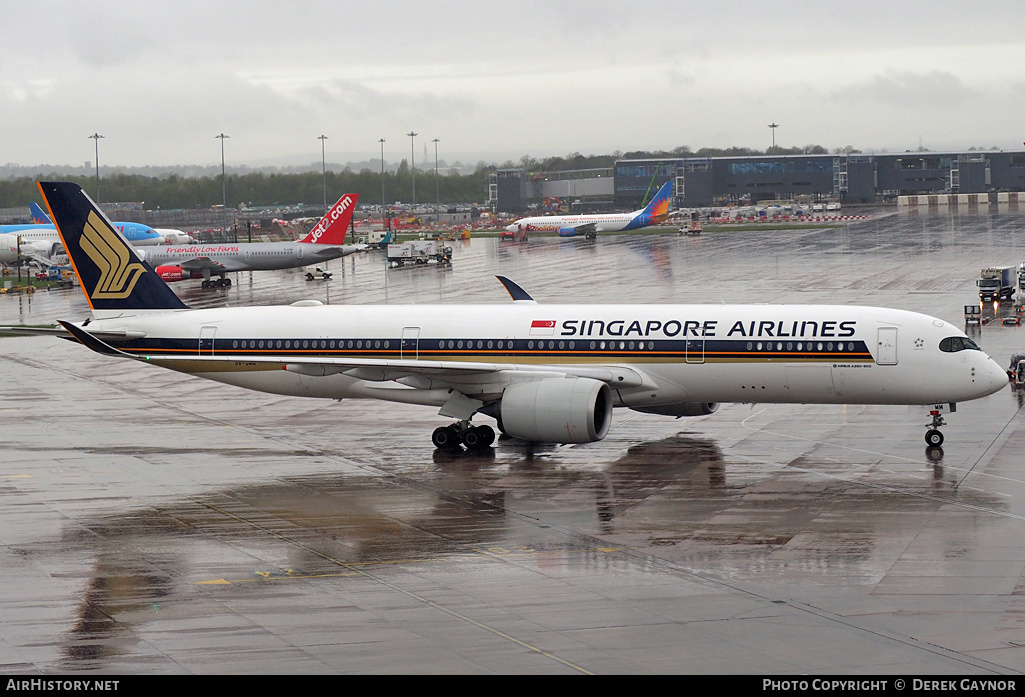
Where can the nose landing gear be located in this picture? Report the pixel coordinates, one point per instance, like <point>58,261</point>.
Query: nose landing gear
<point>933,437</point>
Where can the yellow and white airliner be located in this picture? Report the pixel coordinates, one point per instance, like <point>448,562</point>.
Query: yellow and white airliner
<point>546,373</point>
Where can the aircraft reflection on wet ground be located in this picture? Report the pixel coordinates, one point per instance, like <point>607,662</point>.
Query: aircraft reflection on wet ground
<point>658,506</point>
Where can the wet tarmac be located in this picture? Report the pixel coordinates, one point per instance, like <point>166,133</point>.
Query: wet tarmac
<point>153,523</point>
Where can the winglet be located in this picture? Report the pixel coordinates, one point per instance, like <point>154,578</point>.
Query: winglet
<point>92,342</point>
<point>515,292</point>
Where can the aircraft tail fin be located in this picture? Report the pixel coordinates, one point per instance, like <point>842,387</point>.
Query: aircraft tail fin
<point>39,216</point>
<point>333,226</point>
<point>657,209</point>
<point>112,276</point>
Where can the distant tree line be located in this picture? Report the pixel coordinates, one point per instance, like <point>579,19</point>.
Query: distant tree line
<point>255,189</point>
<point>259,189</point>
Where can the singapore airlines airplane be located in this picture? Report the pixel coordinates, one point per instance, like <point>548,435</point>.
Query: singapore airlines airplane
<point>547,373</point>
<point>654,213</point>
<point>323,243</point>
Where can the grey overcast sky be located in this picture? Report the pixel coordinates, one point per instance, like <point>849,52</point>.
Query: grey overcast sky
<point>498,80</point>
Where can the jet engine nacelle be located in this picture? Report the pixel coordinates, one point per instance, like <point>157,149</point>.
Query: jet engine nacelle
<point>681,409</point>
<point>9,248</point>
<point>47,248</point>
<point>170,274</point>
<point>567,232</point>
<point>557,410</point>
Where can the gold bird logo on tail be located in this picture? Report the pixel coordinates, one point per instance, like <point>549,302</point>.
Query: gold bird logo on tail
<point>118,275</point>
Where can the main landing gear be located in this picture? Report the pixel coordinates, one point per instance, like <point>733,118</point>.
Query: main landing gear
<point>218,283</point>
<point>463,433</point>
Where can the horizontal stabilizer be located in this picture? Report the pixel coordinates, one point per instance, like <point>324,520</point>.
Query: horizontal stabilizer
<point>92,342</point>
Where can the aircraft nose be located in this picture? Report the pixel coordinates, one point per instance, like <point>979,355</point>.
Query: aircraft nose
<point>988,377</point>
<point>993,376</point>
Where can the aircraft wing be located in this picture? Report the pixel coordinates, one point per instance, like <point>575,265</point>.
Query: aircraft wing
<point>585,228</point>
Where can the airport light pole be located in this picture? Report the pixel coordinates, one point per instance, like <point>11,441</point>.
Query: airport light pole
<point>384,206</point>
<point>96,139</point>
<point>437,195</point>
<point>323,167</point>
<point>224,186</point>
<point>412,166</point>
<point>773,126</point>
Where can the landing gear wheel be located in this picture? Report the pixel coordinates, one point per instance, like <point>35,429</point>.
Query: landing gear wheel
<point>933,438</point>
<point>487,435</point>
<point>473,438</point>
<point>445,438</point>
<point>227,281</point>
<point>478,437</point>
<point>205,284</point>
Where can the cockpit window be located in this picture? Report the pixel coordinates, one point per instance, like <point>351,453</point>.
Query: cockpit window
<point>953,344</point>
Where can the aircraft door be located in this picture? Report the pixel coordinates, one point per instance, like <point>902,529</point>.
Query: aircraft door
<point>886,346</point>
<point>695,351</point>
<point>299,253</point>
<point>410,345</point>
<point>206,341</point>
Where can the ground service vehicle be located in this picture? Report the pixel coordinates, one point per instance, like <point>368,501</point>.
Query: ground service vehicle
<point>1016,371</point>
<point>997,283</point>
<point>419,252</point>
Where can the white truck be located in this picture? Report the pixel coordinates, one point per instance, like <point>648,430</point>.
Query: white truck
<point>376,239</point>
<point>997,283</point>
<point>419,252</point>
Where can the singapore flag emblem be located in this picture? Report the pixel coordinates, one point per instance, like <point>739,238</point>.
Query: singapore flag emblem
<point>542,327</point>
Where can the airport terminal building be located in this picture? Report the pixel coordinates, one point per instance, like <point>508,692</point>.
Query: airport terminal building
<point>716,181</point>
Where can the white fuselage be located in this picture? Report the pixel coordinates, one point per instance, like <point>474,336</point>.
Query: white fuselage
<point>684,353</point>
<point>608,222</point>
<point>254,256</point>
<point>175,236</point>
<point>45,241</point>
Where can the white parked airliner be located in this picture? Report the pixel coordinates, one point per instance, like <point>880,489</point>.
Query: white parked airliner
<point>590,225</point>
<point>176,262</point>
<point>547,373</point>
